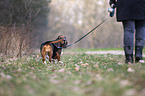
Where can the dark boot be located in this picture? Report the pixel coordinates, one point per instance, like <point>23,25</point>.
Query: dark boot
<point>138,53</point>
<point>129,58</point>
<point>128,54</point>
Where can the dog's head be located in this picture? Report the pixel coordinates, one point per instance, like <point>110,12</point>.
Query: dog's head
<point>63,43</point>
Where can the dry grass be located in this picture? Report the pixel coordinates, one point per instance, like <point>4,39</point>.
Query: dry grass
<point>14,41</point>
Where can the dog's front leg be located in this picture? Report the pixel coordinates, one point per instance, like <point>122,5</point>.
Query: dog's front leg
<point>58,58</point>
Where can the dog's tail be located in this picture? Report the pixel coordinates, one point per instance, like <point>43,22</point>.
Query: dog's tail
<point>41,48</point>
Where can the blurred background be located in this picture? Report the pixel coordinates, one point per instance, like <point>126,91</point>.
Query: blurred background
<point>25,24</point>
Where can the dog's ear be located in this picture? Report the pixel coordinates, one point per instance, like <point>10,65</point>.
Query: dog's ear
<point>60,36</point>
<point>64,38</point>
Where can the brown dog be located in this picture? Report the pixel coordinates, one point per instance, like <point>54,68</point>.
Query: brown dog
<point>53,48</point>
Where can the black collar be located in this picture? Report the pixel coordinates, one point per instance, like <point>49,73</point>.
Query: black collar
<point>57,46</point>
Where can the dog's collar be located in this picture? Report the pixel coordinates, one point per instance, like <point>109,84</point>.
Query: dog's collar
<point>57,46</point>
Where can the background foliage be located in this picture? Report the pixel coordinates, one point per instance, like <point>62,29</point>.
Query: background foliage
<point>74,18</point>
<point>21,24</point>
<point>25,24</point>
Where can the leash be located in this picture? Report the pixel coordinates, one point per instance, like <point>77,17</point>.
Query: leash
<point>88,33</point>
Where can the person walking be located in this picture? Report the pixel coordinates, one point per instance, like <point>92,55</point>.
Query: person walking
<point>132,15</point>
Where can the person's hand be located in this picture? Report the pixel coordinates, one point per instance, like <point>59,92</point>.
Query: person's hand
<point>112,4</point>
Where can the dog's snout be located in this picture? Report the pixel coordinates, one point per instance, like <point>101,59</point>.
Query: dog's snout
<point>64,38</point>
<point>65,42</point>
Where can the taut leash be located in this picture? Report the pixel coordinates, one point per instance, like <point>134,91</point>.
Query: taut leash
<point>88,33</point>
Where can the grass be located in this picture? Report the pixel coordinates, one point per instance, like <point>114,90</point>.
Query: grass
<point>79,75</point>
<point>84,50</point>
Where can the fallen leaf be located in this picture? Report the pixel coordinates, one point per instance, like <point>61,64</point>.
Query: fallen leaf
<point>96,65</point>
<point>2,74</point>
<point>86,64</point>
<point>61,70</point>
<point>77,82</point>
<point>5,76</point>
<point>99,77</point>
<point>130,69</point>
<point>38,56</point>
<point>54,81</point>
<point>130,92</point>
<point>8,77</point>
<point>120,63</point>
<point>124,83</point>
<point>77,68</point>
<point>81,61</point>
<point>76,89</point>
<point>76,65</point>
<point>53,70</point>
<point>19,69</point>
<point>110,69</point>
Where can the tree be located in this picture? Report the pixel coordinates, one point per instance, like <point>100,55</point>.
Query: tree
<point>20,23</point>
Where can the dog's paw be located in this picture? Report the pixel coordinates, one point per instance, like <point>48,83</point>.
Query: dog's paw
<point>54,61</point>
<point>45,62</point>
<point>60,62</point>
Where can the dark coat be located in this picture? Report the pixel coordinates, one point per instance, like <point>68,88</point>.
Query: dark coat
<point>130,9</point>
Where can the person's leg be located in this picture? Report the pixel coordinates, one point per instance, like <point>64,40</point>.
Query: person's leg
<point>129,28</point>
<point>139,40</point>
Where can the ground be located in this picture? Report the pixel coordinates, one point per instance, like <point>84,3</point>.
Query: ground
<point>83,73</point>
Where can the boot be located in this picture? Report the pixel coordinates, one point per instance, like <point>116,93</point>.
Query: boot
<point>138,54</point>
<point>129,58</point>
<point>128,54</point>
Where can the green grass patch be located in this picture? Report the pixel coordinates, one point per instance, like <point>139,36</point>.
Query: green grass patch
<point>79,75</point>
<point>98,49</point>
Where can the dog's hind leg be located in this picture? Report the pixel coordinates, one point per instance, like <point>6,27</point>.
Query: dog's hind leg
<point>43,53</point>
<point>43,58</point>
<point>50,56</point>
